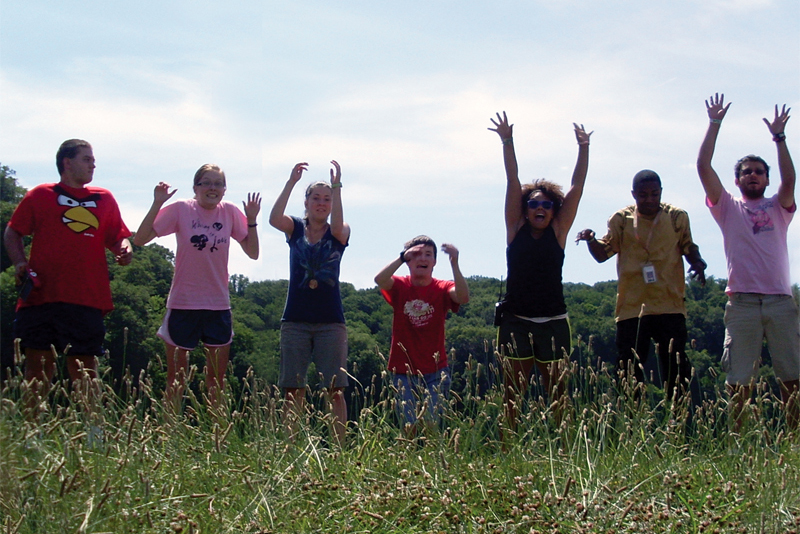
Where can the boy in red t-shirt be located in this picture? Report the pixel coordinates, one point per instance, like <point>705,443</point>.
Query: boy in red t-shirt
<point>418,358</point>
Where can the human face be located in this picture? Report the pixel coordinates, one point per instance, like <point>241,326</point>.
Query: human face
<point>648,198</point>
<point>79,171</point>
<point>752,180</point>
<point>318,203</point>
<point>421,259</point>
<point>539,217</point>
<point>210,189</point>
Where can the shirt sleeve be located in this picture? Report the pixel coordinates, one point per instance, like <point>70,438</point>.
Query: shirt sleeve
<point>685,242</point>
<point>166,221</point>
<point>613,239</point>
<point>117,230</point>
<point>23,219</point>
<point>239,229</point>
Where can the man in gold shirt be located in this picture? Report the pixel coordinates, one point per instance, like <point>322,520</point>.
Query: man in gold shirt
<point>649,239</point>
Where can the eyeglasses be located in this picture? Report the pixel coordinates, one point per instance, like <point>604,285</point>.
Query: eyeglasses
<point>217,184</point>
<point>546,204</point>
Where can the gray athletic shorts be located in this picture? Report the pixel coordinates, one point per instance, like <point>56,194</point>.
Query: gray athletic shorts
<point>325,344</point>
<point>749,319</point>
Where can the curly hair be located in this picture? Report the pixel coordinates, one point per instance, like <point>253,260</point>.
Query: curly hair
<point>551,190</point>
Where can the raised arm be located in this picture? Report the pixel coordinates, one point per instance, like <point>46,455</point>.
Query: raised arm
<point>716,108</point>
<point>251,209</point>
<point>785,165</point>
<point>566,215</point>
<point>460,292</point>
<point>513,209</point>
<point>277,217</point>
<point>384,278</point>
<point>145,233</point>
<point>339,229</point>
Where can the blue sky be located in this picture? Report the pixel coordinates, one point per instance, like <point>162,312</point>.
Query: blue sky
<point>401,95</point>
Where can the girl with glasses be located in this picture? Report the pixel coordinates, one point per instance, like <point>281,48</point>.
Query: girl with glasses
<point>198,306</point>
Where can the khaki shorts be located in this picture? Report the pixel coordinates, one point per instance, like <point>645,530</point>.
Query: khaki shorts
<point>749,319</point>
<point>325,344</point>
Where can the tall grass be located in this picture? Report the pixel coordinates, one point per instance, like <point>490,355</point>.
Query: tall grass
<point>618,461</point>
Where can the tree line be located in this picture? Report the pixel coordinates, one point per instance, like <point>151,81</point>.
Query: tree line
<point>140,292</point>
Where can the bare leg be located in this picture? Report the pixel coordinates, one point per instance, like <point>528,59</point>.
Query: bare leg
<point>790,391</point>
<point>40,368</point>
<point>216,365</point>
<point>516,376</point>
<point>177,369</point>
<point>338,408</point>
<point>295,400</point>
<point>739,396</point>
<point>82,371</point>
<point>555,388</point>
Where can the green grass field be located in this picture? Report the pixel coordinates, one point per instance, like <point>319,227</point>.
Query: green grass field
<point>611,465</point>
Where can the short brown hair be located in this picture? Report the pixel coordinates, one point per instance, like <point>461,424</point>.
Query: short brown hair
<point>421,240</point>
<point>69,149</point>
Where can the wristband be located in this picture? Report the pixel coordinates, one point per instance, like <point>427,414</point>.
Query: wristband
<point>402,256</point>
<point>778,137</point>
<point>715,121</point>
<point>252,225</point>
<point>337,185</point>
<point>508,141</point>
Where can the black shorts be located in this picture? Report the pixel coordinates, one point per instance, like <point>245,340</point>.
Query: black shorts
<point>61,324</point>
<point>186,328</point>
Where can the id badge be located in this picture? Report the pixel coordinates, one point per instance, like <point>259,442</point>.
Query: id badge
<point>649,273</point>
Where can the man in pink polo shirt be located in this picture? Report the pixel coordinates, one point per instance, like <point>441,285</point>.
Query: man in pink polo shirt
<point>754,227</point>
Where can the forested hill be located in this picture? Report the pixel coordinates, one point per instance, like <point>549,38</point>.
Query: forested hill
<point>140,292</point>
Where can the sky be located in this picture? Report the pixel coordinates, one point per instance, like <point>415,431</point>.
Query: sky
<point>400,94</point>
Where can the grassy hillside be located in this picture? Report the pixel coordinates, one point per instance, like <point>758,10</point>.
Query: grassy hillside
<point>611,465</point>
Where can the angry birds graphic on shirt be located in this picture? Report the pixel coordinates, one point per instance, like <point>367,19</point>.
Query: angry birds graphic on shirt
<point>77,217</point>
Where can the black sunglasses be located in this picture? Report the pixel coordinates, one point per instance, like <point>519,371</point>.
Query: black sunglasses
<point>546,204</point>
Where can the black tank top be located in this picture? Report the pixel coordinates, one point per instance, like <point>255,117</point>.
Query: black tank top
<point>534,274</point>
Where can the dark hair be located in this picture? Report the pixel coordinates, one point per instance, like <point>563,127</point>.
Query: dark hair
<point>551,190</point>
<point>421,240</point>
<point>69,149</point>
<point>737,169</point>
<point>204,169</point>
<point>645,176</point>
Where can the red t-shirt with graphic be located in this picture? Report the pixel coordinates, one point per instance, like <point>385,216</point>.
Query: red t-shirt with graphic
<point>71,230</point>
<point>418,325</point>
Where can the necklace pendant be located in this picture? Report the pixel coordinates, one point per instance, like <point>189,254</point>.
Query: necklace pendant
<point>313,284</point>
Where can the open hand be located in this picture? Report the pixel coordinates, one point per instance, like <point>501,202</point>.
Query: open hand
<point>716,108</point>
<point>503,129</point>
<point>778,124</point>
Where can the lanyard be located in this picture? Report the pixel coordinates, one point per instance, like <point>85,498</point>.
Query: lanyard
<point>646,244</point>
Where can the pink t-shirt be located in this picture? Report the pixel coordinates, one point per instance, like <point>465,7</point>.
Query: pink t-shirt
<point>418,325</point>
<point>754,232</point>
<point>201,263</point>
